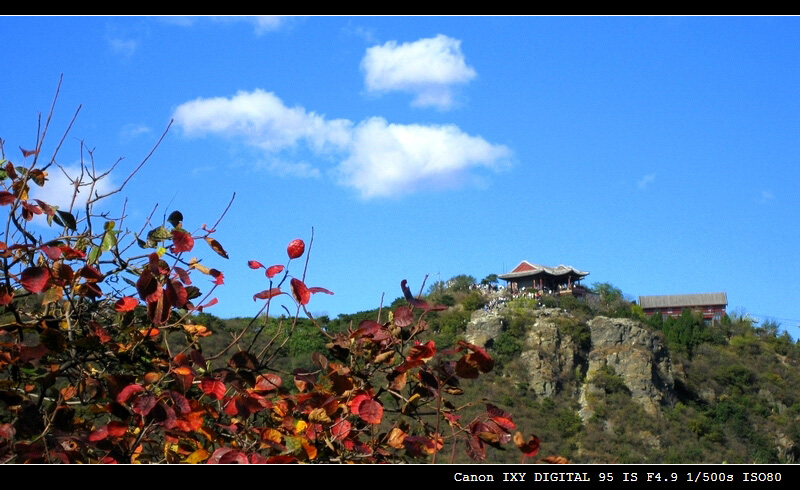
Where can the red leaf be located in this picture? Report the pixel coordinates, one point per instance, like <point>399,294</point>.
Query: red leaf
<point>275,269</point>
<point>296,248</point>
<point>6,295</point>
<point>183,275</point>
<point>48,210</point>
<point>90,274</point>
<point>27,153</point>
<point>28,210</point>
<point>227,455</point>
<point>420,351</point>
<point>53,253</point>
<point>530,447</point>
<point>268,382</point>
<point>176,294</point>
<point>410,365</point>
<point>466,370</point>
<point>128,391</point>
<point>156,265</point>
<point>126,303</point>
<point>158,312</point>
<point>71,253</point>
<point>210,303</point>
<point>478,358</point>
<point>403,316</point>
<point>300,291</point>
<point>34,279</point>
<point>213,388</point>
<point>117,429</point>
<point>370,411</point>
<point>235,406</point>
<point>7,431</point>
<point>319,290</point>
<point>366,327</point>
<point>6,198</point>
<point>267,293</point>
<point>219,278</point>
<point>10,171</point>
<point>475,449</point>
<point>100,332</point>
<point>181,241</point>
<point>500,417</point>
<point>254,265</point>
<point>410,297</point>
<point>356,401</point>
<point>505,423</point>
<point>144,403</point>
<point>148,287</point>
<point>340,429</point>
<point>98,434</point>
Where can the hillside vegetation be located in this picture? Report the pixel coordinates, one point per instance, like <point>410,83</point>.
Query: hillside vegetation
<point>733,390</point>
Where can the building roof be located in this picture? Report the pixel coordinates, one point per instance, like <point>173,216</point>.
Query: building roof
<point>526,269</point>
<point>683,300</point>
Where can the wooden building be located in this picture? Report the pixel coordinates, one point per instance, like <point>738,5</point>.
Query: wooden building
<point>711,305</point>
<point>562,279</point>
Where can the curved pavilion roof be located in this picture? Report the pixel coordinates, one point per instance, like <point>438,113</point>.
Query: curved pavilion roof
<point>526,269</point>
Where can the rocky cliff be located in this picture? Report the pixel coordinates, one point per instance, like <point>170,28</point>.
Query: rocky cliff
<point>555,362</point>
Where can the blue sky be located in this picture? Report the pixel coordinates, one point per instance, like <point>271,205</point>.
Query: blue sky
<point>658,153</point>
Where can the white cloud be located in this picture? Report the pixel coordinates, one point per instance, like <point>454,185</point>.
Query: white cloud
<point>377,158</point>
<point>394,159</point>
<point>131,131</point>
<point>59,187</point>
<point>291,169</point>
<point>124,47</point>
<point>262,119</point>
<point>266,23</point>
<point>426,68</point>
<point>368,35</point>
<point>645,181</point>
<point>767,196</point>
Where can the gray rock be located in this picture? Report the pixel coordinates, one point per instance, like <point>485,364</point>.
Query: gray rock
<point>484,327</point>
<point>637,355</point>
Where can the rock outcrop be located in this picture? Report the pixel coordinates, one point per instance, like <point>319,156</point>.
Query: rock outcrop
<point>555,362</point>
<point>484,327</point>
<point>637,356</point>
<point>549,356</point>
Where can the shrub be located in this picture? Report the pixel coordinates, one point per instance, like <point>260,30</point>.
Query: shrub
<point>609,381</point>
<point>473,301</point>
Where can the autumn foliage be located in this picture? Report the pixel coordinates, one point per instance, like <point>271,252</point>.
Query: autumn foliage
<point>87,373</point>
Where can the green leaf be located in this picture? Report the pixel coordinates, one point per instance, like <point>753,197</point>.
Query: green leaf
<point>109,240</point>
<point>109,226</point>
<point>94,254</point>
<point>157,235</point>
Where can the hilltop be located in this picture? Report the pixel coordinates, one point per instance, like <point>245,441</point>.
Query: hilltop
<point>599,382</point>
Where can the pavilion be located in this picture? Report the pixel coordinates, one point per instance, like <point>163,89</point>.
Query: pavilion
<point>563,279</point>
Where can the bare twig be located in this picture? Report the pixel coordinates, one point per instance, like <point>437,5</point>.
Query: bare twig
<point>125,182</point>
<point>224,212</point>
